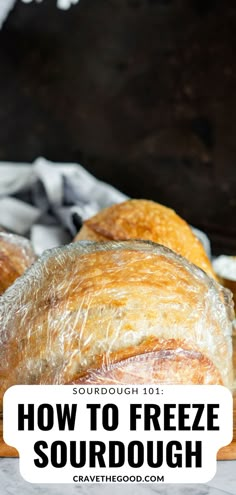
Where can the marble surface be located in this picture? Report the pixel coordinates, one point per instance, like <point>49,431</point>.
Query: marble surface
<point>11,483</point>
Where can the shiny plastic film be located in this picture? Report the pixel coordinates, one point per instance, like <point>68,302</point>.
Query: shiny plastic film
<point>16,255</point>
<point>116,312</point>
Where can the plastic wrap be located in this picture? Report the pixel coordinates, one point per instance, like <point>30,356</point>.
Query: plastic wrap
<point>225,267</point>
<point>115,312</point>
<point>16,255</point>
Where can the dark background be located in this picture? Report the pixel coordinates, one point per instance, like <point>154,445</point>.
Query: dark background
<point>140,92</point>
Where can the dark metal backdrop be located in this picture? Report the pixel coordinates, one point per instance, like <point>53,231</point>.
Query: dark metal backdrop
<point>141,92</point>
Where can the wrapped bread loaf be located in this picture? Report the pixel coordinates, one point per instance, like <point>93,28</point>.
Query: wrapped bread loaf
<point>125,312</point>
<point>16,254</point>
<point>147,220</point>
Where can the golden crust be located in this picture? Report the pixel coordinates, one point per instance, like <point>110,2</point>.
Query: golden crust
<point>154,361</point>
<point>147,220</point>
<point>15,256</point>
<point>87,234</point>
<point>83,308</point>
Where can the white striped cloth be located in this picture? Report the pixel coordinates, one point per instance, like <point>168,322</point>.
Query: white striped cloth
<point>47,202</point>
<point>7,5</point>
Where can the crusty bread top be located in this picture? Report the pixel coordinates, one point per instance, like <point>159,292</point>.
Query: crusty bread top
<point>16,254</point>
<point>85,306</point>
<point>147,220</point>
<point>154,361</point>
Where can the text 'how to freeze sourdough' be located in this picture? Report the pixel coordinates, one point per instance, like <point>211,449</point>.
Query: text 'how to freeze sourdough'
<point>69,434</point>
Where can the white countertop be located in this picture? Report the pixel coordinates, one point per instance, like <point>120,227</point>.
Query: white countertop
<point>12,483</point>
